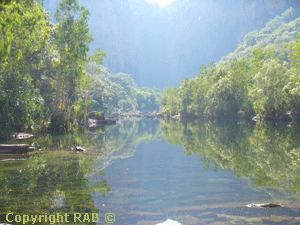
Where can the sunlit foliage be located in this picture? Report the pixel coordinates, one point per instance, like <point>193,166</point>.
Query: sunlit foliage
<point>258,79</point>
<point>118,93</point>
<point>25,33</point>
<point>46,76</point>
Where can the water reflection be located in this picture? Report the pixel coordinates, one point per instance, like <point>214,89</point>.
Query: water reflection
<point>59,180</point>
<point>266,154</point>
<point>129,169</point>
<point>122,140</point>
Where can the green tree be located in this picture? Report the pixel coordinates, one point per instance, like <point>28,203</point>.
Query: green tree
<point>241,78</point>
<point>267,94</point>
<point>292,87</point>
<point>25,32</point>
<point>96,59</point>
<point>169,102</point>
<point>221,100</point>
<point>185,98</point>
<point>71,42</point>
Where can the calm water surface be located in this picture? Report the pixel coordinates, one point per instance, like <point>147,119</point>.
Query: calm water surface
<point>147,171</point>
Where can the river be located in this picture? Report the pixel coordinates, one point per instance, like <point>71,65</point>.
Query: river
<point>149,171</point>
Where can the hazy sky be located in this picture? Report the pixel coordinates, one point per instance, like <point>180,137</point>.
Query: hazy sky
<point>161,3</point>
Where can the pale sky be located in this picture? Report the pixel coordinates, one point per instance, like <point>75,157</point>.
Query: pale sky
<point>162,3</point>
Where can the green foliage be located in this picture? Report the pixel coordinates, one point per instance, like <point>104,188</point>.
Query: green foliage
<point>42,66</point>
<point>264,83</point>
<point>71,43</point>
<point>97,59</point>
<point>43,75</point>
<point>147,99</point>
<point>169,103</point>
<point>221,100</point>
<point>267,94</point>
<point>80,109</point>
<point>25,34</point>
<point>280,30</point>
<point>250,38</point>
<point>119,93</point>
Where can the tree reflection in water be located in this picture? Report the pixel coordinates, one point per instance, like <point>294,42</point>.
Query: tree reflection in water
<point>53,180</point>
<point>267,155</point>
<point>59,180</point>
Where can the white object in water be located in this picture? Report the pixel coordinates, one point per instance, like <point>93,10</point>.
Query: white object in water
<point>79,149</point>
<point>169,222</point>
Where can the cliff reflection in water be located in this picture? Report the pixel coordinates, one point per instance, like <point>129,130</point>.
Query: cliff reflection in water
<point>266,154</point>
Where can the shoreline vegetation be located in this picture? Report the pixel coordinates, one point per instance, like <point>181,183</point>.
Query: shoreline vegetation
<point>47,79</point>
<point>49,82</point>
<point>259,80</point>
